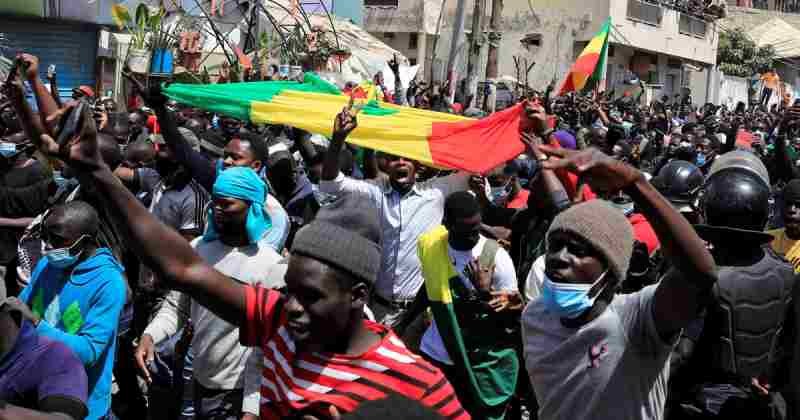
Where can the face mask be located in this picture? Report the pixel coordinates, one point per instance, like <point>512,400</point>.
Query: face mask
<point>500,194</point>
<point>569,300</point>
<point>62,258</point>
<point>7,149</point>
<point>323,198</point>
<point>701,159</point>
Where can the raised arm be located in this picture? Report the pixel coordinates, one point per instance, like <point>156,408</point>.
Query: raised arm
<point>680,294</point>
<point>344,123</point>
<point>44,100</point>
<point>32,126</point>
<point>161,248</point>
<point>200,168</point>
<point>51,77</point>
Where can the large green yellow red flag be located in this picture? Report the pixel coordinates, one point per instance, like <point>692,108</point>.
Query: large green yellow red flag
<point>590,64</point>
<point>432,138</point>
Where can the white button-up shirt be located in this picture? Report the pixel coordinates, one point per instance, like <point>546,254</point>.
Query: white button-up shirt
<point>403,220</point>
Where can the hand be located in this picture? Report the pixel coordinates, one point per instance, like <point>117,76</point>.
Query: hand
<point>345,122</point>
<point>394,65</point>
<point>332,410</point>
<point>31,66</point>
<point>144,355</point>
<point>477,184</point>
<point>506,300</point>
<point>153,97</point>
<point>760,386</point>
<point>80,151</point>
<point>17,305</point>
<point>101,119</point>
<point>533,142</point>
<point>248,416</point>
<point>480,276</point>
<point>602,173</point>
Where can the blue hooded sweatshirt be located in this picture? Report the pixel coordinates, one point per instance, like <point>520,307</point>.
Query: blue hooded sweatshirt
<point>82,309</point>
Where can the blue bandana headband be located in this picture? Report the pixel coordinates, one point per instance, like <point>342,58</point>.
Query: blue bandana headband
<point>243,184</point>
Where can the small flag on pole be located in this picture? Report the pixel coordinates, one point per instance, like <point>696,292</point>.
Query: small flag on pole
<point>590,64</point>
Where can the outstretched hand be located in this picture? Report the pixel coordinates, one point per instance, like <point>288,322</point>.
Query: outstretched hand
<point>593,167</point>
<point>152,96</point>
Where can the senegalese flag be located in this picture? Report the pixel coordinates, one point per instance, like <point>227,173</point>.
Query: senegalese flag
<point>432,138</point>
<point>588,68</point>
<point>488,368</point>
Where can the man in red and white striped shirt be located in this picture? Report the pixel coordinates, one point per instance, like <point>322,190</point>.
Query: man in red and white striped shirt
<point>319,351</point>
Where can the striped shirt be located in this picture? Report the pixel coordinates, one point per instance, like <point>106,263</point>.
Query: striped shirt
<point>309,382</point>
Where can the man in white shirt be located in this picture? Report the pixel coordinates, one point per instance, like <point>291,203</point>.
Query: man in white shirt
<point>407,209</point>
<point>233,243</point>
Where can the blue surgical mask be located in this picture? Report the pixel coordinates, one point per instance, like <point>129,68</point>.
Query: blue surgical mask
<point>62,258</point>
<point>568,300</point>
<point>7,149</point>
<point>500,194</point>
<point>701,159</point>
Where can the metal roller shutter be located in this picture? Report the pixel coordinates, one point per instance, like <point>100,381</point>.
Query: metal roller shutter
<point>71,47</point>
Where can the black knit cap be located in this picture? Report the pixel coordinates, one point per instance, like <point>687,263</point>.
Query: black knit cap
<point>346,238</point>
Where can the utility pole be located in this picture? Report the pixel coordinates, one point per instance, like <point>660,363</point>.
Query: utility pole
<point>475,51</point>
<point>494,38</point>
<point>458,29</point>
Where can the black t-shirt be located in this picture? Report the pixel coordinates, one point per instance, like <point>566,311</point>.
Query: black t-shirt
<point>23,193</point>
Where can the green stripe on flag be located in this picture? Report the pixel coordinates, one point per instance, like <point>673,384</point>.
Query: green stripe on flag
<point>233,99</point>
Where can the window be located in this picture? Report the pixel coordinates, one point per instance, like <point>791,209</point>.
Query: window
<point>690,25</point>
<point>381,3</point>
<point>642,11</point>
<point>412,41</point>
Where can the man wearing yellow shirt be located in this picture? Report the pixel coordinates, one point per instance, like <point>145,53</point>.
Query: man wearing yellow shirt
<point>786,238</point>
<point>771,81</point>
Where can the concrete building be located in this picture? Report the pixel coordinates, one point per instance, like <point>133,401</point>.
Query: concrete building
<point>408,26</point>
<point>792,6</point>
<point>666,48</point>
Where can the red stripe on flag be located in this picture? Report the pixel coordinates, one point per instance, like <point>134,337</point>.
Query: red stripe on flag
<point>586,63</point>
<point>477,146</point>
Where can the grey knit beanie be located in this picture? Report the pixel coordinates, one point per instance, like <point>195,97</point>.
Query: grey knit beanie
<point>346,240</point>
<point>604,227</point>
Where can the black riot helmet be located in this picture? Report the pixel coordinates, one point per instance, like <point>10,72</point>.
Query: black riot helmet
<point>679,181</point>
<point>735,201</point>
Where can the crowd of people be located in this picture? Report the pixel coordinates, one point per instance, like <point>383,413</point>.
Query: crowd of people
<point>635,262</point>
